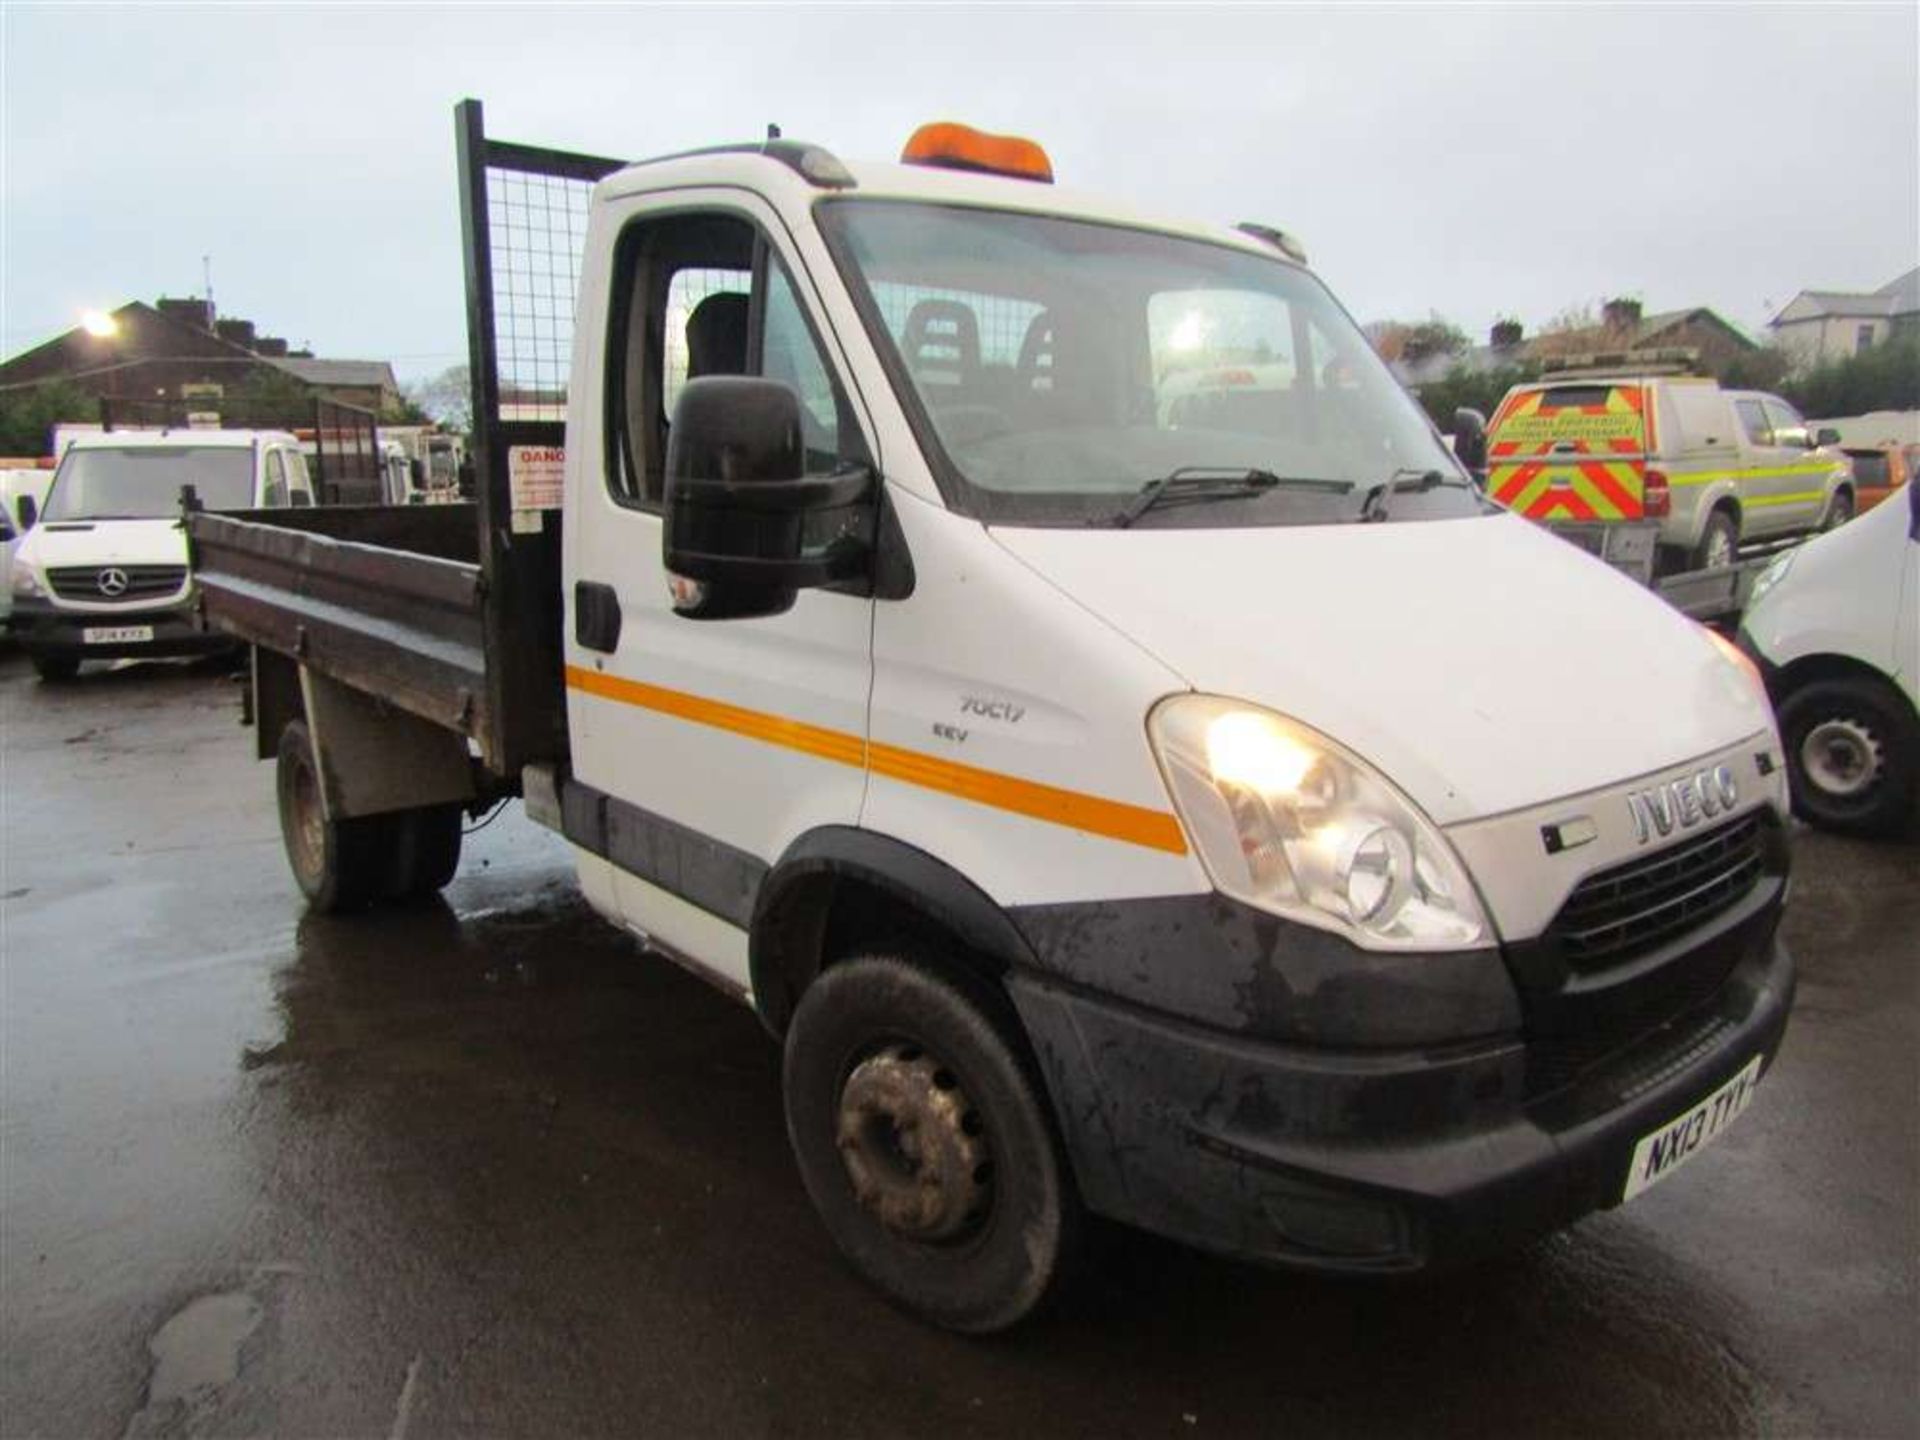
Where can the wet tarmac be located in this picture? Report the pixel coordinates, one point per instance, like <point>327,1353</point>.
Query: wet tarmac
<point>485,1166</point>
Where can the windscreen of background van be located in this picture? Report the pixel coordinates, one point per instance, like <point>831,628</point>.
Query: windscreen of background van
<point>143,482</point>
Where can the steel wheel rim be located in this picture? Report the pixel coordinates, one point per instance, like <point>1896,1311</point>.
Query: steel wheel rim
<point>1719,548</point>
<point>1841,758</point>
<point>913,1146</point>
<point>307,829</point>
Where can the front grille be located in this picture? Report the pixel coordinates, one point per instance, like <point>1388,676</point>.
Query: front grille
<point>1679,1000</point>
<point>99,583</point>
<point>1622,913</point>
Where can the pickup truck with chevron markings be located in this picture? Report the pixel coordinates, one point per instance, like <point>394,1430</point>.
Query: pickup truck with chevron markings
<point>1629,460</point>
<point>1115,793</point>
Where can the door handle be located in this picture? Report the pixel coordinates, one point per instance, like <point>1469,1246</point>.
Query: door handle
<point>596,616</point>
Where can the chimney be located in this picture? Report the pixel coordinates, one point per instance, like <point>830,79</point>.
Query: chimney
<point>271,346</point>
<point>195,313</point>
<point>1505,334</point>
<point>236,332</point>
<point>1621,314</point>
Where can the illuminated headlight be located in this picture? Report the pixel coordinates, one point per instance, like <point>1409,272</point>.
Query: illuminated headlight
<point>1775,572</point>
<point>25,582</point>
<point>1287,820</point>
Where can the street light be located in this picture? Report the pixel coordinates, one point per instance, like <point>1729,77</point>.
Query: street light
<point>99,324</point>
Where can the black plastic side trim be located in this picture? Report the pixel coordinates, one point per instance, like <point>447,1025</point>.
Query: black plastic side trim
<point>709,873</point>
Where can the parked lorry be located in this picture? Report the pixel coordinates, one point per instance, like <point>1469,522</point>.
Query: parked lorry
<point>101,571</point>
<point>1102,814</point>
<point>1835,629</point>
<point>1664,474</point>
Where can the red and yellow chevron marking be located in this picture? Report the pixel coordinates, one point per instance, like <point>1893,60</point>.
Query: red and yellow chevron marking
<point>1554,461</point>
<point>1574,490</point>
<point>1527,426</point>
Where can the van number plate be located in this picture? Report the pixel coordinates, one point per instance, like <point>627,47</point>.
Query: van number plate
<point>116,634</point>
<point>1664,1151</point>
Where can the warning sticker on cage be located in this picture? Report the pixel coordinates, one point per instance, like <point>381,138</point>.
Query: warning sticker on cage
<point>535,476</point>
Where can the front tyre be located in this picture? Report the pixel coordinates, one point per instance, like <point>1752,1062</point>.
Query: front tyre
<point>1839,510</point>
<point>924,1140</point>
<point>1851,755</point>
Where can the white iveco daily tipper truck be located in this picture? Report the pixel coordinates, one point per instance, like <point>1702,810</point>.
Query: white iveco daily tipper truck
<point>1197,814</point>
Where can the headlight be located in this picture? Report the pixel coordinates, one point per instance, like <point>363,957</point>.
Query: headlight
<point>1775,572</point>
<point>25,582</point>
<point>1285,819</point>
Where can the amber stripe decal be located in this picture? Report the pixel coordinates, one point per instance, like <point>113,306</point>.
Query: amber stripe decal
<point>1115,819</point>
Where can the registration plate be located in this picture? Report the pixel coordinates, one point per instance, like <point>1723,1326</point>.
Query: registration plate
<point>1664,1151</point>
<point>116,634</point>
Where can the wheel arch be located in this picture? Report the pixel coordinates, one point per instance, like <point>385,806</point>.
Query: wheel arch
<point>1796,675</point>
<point>838,883</point>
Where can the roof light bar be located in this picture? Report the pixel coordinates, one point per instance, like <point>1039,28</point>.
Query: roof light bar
<point>947,145</point>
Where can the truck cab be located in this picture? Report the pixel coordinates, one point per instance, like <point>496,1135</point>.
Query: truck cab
<point>1205,824</point>
<point>102,571</point>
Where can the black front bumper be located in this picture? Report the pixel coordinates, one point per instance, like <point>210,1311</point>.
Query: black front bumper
<point>1390,1158</point>
<point>42,629</point>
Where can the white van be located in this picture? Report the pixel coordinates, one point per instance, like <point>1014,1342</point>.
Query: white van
<point>102,571</point>
<point>1835,628</point>
<point>1217,824</point>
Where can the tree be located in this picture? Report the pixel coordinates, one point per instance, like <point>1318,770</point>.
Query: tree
<point>1481,390</point>
<point>1416,340</point>
<point>267,397</point>
<point>447,398</point>
<point>28,415</point>
<point>1886,377</point>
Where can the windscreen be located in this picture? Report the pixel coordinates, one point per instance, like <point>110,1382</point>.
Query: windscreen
<point>1060,366</point>
<point>143,482</point>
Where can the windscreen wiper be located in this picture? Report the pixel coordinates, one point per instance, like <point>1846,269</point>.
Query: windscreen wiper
<point>1217,482</point>
<point>1407,477</point>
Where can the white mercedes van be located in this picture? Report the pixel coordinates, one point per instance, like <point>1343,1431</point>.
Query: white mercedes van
<point>101,573</point>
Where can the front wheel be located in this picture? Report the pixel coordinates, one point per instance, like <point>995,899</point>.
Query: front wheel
<point>1851,755</point>
<point>923,1138</point>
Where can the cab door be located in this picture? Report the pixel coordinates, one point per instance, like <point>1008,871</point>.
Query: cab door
<point>1764,467</point>
<point>1797,493</point>
<point>705,747</point>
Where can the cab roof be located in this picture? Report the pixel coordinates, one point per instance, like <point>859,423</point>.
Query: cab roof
<point>776,176</point>
<point>183,436</point>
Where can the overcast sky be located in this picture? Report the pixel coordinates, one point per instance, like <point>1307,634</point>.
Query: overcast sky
<point>1470,161</point>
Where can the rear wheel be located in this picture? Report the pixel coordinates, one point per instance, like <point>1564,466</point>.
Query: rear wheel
<point>424,850</point>
<point>1839,510</point>
<point>923,1138</point>
<point>54,669</point>
<point>1719,542</point>
<point>1851,755</point>
<point>338,864</point>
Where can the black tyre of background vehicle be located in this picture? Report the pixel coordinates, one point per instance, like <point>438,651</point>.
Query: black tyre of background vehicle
<point>1851,755</point>
<point>1719,541</point>
<point>1839,510</point>
<point>924,1139</point>
<point>55,669</point>
<point>338,864</point>
<point>424,850</point>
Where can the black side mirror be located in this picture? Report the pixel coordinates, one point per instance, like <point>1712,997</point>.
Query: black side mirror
<point>1913,507</point>
<point>1826,435</point>
<point>746,528</point>
<point>28,512</point>
<point>1470,440</point>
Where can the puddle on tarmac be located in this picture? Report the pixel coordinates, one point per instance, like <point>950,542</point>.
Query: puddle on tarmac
<point>199,1348</point>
